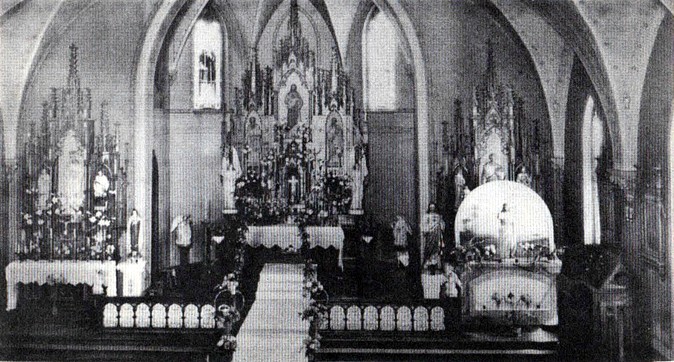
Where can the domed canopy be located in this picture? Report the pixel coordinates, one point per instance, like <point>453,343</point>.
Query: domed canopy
<point>505,214</point>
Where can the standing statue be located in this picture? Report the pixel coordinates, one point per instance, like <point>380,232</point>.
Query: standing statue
<point>43,189</point>
<point>133,234</point>
<point>229,173</point>
<point>523,177</point>
<point>335,143</point>
<point>492,171</point>
<point>432,227</point>
<point>294,104</point>
<point>401,231</point>
<point>507,238</point>
<point>358,180</point>
<point>459,184</point>
<point>101,185</point>
<point>181,233</point>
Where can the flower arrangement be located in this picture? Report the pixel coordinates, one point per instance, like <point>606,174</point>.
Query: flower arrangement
<point>99,232</point>
<point>315,311</point>
<point>312,288</point>
<point>337,193</point>
<point>312,344</point>
<point>227,342</point>
<point>227,314</point>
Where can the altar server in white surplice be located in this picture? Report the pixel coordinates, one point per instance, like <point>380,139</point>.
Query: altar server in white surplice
<point>229,173</point>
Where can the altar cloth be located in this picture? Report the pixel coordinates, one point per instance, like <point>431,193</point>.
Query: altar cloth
<point>286,236</point>
<point>96,274</point>
<point>133,277</point>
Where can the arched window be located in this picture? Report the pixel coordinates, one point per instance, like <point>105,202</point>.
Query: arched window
<point>208,55</point>
<point>593,144</point>
<point>380,53</point>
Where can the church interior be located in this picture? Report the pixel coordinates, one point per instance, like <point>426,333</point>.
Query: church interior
<point>336,180</point>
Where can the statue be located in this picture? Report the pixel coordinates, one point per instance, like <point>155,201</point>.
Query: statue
<point>335,143</point>
<point>133,234</point>
<point>523,177</point>
<point>71,173</point>
<point>492,171</point>
<point>358,180</point>
<point>450,295</point>
<point>459,184</point>
<point>101,185</point>
<point>294,104</point>
<point>181,233</point>
<point>432,227</point>
<point>229,173</point>
<point>43,190</point>
<point>506,233</point>
<point>401,231</point>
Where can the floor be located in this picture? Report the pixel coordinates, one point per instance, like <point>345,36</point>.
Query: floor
<point>274,329</point>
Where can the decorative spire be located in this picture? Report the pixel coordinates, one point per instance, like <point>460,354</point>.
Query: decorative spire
<point>294,23</point>
<point>491,71</point>
<point>73,76</point>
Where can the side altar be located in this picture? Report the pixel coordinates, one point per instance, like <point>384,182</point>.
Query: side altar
<point>74,227</point>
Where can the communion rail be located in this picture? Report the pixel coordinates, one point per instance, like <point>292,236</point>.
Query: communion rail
<point>418,316</point>
<point>416,330</point>
<point>122,313</point>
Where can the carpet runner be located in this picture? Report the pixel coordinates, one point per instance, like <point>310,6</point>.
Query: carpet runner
<point>274,329</point>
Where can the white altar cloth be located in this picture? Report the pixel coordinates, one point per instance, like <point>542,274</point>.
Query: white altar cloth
<point>94,273</point>
<point>133,278</point>
<point>286,236</point>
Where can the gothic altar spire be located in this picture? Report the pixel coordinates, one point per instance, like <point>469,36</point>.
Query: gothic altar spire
<point>491,71</point>
<point>73,76</point>
<point>294,26</point>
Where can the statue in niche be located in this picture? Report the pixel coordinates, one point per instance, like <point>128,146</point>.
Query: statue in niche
<point>230,171</point>
<point>358,176</point>
<point>133,234</point>
<point>432,227</point>
<point>506,232</point>
<point>71,175</point>
<point>43,189</point>
<point>523,177</point>
<point>254,140</point>
<point>101,185</point>
<point>492,171</point>
<point>293,187</point>
<point>294,104</point>
<point>335,143</point>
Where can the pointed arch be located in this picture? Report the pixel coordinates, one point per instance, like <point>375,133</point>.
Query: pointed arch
<point>592,135</point>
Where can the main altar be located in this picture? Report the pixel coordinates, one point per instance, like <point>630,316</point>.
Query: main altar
<point>294,148</point>
<point>295,137</point>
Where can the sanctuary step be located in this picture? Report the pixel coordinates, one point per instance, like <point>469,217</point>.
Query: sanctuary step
<point>538,345</point>
<point>274,329</point>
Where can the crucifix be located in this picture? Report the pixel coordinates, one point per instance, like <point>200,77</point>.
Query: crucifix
<point>293,182</point>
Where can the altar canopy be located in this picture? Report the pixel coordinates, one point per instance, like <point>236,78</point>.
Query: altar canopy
<point>298,133</point>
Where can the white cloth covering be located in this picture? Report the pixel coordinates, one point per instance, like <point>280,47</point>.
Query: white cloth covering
<point>94,273</point>
<point>273,329</point>
<point>286,236</point>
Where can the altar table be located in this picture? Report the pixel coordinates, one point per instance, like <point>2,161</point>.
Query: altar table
<point>94,273</point>
<point>285,236</point>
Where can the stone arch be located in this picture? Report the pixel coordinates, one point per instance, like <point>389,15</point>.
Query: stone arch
<point>564,17</point>
<point>395,10</point>
<point>143,97</point>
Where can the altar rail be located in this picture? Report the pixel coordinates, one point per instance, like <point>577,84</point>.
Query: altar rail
<point>423,316</point>
<point>140,313</point>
